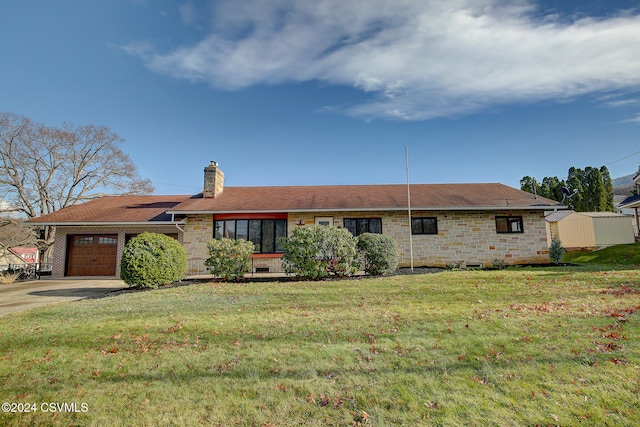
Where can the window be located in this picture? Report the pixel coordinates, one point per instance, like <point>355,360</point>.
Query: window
<point>358,226</point>
<point>83,241</point>
<point>509,224</point>
<point>265,233</point>
<point>107,240</point>
<point>424,225</point>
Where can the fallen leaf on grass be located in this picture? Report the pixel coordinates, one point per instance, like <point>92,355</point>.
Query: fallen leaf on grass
<point>480,380</point>
<point>431,405</point>
<point>324,400</point>
<point>617,361</point>
<point>112,350</point>
<point>360,419</point>
<point>174,328</point>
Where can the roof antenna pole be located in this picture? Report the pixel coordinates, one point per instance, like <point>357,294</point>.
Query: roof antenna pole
<point>406,153</point>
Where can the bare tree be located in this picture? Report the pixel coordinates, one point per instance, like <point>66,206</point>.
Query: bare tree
<point>13,233</point>
<point>47,168</point>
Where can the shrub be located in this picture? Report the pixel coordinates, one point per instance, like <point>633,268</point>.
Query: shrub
<point>152,259</point>
<point>229,258</point>
<point>379,253</point>
<point>556,250</point>
<point>317,251</point>
<point>8,278</point>
<point>498,264</point>
<point>454,265</point>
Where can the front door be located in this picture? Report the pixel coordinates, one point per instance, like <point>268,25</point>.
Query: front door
<point>92,255</point>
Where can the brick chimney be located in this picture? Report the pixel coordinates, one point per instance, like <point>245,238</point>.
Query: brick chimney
<point>213,181</point>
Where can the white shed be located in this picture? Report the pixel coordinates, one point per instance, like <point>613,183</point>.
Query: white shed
<point>589,230</point>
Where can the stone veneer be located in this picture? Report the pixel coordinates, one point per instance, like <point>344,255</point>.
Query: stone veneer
<point>60,250</point>
<point>466,237</point>
<point>198,230</point>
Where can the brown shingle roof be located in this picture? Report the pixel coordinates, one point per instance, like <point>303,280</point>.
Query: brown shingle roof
<point>364,197</point>
<point>115,209</point>
<point>154,209</point>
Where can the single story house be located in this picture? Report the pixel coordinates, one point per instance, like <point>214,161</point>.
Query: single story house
<point>589,230</point>
<point>472,224</point>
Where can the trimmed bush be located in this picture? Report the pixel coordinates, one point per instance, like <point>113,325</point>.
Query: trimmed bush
<point>379,253</point>
<point>556,250</point>
<point>317,251</point>
<point>152,259</point>
<point>229,258</point>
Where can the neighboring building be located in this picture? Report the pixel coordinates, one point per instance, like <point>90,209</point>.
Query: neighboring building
<point>29,255</point>
<point>8,257</point>
<point>632,202</point>
<point>589,230</point>
<point>469,223</point>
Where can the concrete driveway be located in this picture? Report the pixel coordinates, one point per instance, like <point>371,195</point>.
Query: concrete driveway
<point>34,293</point>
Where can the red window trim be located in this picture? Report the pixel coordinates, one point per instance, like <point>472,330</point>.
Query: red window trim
<point>268,255</point>
<point>221,217</point>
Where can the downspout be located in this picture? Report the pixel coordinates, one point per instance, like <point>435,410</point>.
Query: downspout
<point>177,224</point>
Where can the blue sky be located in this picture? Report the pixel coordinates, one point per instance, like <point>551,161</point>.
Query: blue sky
<point>287,92</point>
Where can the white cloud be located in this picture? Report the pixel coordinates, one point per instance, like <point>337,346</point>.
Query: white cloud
<point>416,59</point>
<point>635,119</point>
<point>623,103</point>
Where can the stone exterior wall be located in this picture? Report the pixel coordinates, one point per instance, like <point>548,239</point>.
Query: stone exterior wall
<point>466,237</point>
<point>198,230</point>
<point>60,246</point>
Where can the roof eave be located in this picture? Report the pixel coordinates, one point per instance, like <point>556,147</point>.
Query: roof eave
<point>104,223</point>
<point>631,205</point>
<point>376,209</point>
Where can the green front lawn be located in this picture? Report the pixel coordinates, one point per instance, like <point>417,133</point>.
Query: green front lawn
<point>522,346</point>
<point>628,255</point>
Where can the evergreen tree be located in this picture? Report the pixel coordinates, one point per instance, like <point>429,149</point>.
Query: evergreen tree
<point>529,185</point>
<point>575,181</point>
<point>608,188</point>
<point>552,188</point>
<point>596,194</point>
<point>594,188</point>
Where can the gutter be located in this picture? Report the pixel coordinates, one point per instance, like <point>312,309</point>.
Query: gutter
<point>414,208</point>
<point>101,224</point>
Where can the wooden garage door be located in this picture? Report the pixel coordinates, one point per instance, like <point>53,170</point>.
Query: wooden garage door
<point>92,255</point>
